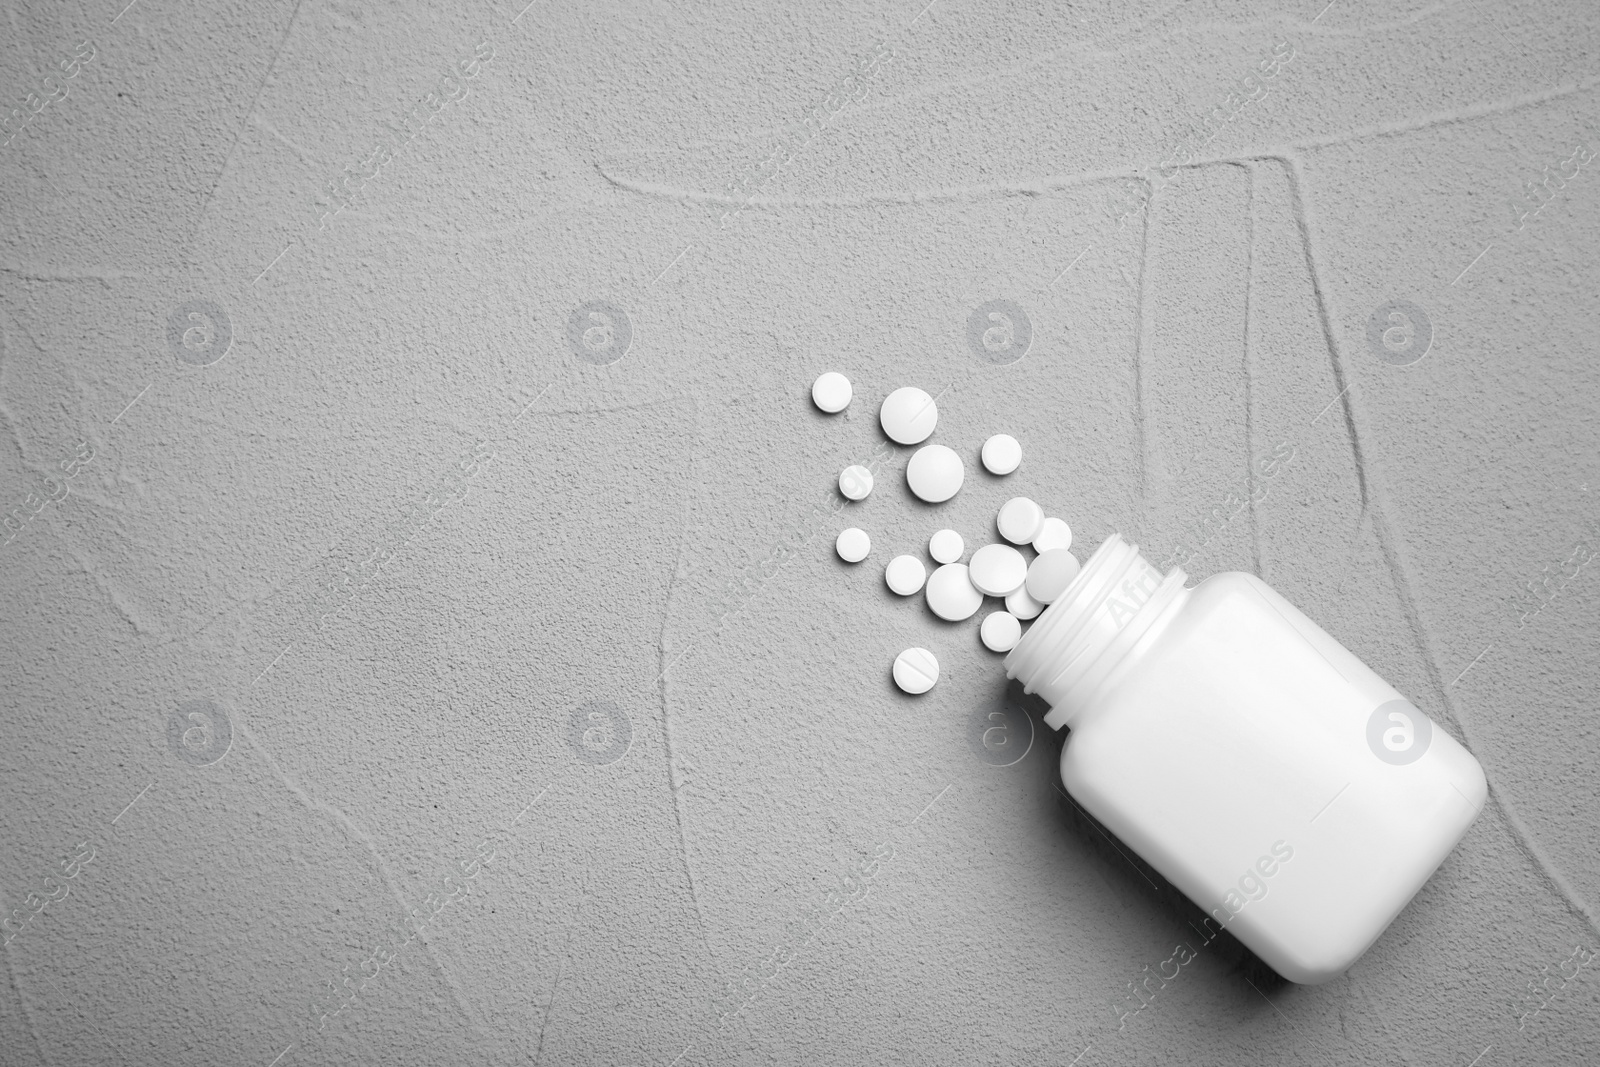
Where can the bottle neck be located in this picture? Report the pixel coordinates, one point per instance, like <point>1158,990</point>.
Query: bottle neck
<point>1080,639</point>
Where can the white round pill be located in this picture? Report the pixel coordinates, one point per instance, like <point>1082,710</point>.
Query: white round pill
<point>997,570</point>
<point>905,574</point>
<point>1022,605</point>
<point>908,415</point>
<point>1053,533</point>
<point>1050,574</point>
<point>915,670</point>
<point>831,392</point>
<point>946,546</point>
<point>935,473</point>
<point>951,595</point>
<point>853,545</point>
<point>855,482</point>
<point>1020,519</point>
<point>1002,454</point>
<point>1000,631</point>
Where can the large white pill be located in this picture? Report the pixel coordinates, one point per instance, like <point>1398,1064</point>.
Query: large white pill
<point>908,415</point>
<point>905,574</point>
<point>915,670</point>
<point>1053,533</point>
<point>1020,519</point>
<point>997,570</point>
<point>946,546</point>
<point>1002,454</point>
<point>951,595</point>
<point>1050,574</point>
<point>831,392</point>
<point>853,545</point>
<point>935,473</point>
<point>1000,631</point>
<point>1022,605</point>
<point>855,482</point>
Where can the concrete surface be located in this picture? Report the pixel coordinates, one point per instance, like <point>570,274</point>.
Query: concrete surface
<point>613,726</point>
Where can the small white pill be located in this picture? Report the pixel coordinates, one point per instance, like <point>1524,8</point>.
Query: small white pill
<point>1022,605</point>
<point>915,670</point>
<point>1050,574</point>
<point>951,595</point>
<point>935,473</point>
<point>1000,631</point>
<point>905,574</point>
<point>853,545</point>
<point>855,482</point>
<point>1002,454</point>
<point>908,415</point>
<point>1020,519</point>
<point>1052,534</point>
<point>997,570</point>
<point>831,392</point>
<point>946,546</point>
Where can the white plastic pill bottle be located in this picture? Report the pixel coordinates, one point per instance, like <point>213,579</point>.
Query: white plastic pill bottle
<point>1249,757</point>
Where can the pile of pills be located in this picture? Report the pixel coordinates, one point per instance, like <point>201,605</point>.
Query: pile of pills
<point>955,591</point>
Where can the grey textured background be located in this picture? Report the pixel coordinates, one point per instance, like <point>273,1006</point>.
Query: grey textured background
<point>653,533</point>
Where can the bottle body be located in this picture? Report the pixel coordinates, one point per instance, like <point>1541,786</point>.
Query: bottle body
<point>1256,763</point>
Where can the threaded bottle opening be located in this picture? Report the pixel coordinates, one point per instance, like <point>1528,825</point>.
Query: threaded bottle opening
<point>1077,640</point>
